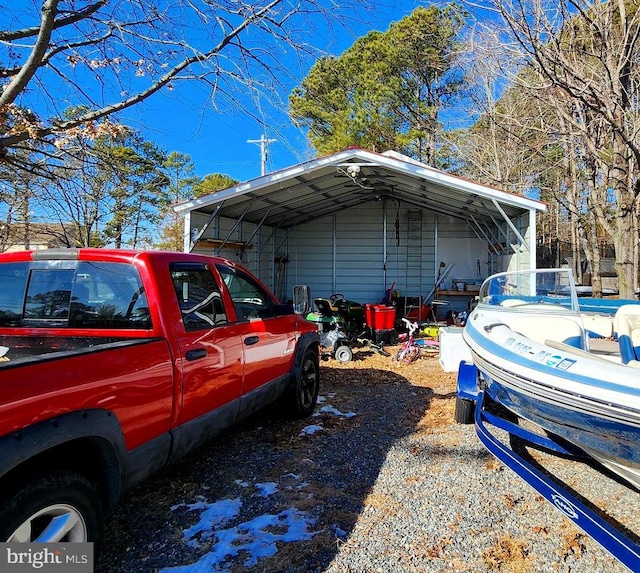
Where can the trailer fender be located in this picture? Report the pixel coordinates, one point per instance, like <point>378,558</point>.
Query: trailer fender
<point>467,381</point>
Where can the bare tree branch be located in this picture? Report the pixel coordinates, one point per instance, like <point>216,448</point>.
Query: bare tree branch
<point>11,91</point>
<point>105,58</point>
<point>580,57</point>
<point>159,84</point>
<point>12,35</point>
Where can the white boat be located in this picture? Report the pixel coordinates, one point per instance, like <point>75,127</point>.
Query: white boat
<point>560,365</point>
<point>568,365</point>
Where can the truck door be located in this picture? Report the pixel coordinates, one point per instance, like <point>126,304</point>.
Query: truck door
<point>269,336</point>
<point>210,346</point>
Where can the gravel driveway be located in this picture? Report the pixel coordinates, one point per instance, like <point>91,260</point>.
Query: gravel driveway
<point>380,479</point>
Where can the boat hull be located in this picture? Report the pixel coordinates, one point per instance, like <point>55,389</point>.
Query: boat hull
<point>589,402</point>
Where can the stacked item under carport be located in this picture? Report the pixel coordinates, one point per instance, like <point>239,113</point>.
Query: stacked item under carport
<point>381,319</point>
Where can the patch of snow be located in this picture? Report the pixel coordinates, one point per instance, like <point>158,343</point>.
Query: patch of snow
<point>257,537</point>
<point>267,489</point>
<point>213,516</point>
<point>309,430</point>
<point>333,410</point>
<point>340,533</point>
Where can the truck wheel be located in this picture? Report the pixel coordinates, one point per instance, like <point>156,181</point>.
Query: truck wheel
<point>302,397</point>
<point>55,507</point>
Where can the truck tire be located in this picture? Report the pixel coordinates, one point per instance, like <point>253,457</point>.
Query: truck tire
<point>300,400</point>
<point>58,506</point>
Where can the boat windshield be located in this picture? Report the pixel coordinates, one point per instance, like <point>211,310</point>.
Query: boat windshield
<point>536,289</point>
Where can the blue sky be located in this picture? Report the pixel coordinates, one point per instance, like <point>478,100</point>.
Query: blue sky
<point>182,120</point>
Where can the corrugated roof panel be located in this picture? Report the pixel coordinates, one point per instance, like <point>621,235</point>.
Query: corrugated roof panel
<point>325,185</point>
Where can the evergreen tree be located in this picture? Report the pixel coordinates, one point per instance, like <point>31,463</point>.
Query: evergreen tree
<point>387,90</point>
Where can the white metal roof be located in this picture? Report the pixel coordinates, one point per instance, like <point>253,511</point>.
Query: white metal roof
<point>335,182</point>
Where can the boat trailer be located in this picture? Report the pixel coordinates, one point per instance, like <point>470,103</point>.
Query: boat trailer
<point>470,408</point>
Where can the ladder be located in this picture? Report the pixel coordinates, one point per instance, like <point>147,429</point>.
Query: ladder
<point>413,278</point>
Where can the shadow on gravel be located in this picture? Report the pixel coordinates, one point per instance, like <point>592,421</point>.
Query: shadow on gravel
<point>327,474</point>
<point>522,448</point>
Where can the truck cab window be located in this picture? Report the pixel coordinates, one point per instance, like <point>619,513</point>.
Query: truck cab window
<point>75,294</point>
<point>49,294</point>
<point>198,296</point>
<point>108,295</point>
<point>13,284</point>
<point>250,300</point>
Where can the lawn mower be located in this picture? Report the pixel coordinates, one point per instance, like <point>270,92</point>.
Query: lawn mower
<point>340,323</point>
<point>332,328</point>
<point>343,323</point>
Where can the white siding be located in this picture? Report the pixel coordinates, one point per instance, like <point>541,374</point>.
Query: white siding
<point>458,245</point>
<point>355,252</point>
<point>311,258</point>
<point>346,253</point>
<point>342,253</point>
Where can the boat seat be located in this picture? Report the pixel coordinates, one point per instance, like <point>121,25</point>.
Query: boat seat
<point>604,346</point>
<point>578,351</point>
<point>543,328</point>
<point>626,324</point>
<point>597,325</point>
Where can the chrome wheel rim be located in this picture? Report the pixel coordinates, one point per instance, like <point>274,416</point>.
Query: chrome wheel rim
<point>52,524</point>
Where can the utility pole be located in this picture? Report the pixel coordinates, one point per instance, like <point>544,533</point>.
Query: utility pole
<point>263,141</point>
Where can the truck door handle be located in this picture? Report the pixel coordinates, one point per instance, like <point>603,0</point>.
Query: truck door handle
<point>196,354</point>
<point>249,340</point>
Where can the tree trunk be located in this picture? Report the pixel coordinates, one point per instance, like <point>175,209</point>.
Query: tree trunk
<point>24,213</point>
<point>624,223</point>
<point>594,256</point>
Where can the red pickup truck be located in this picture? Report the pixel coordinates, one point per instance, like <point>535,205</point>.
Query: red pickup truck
<point>116,363</point>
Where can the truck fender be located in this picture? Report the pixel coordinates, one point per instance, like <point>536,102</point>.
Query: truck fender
<point>66,440</point>
<point>306,341</point>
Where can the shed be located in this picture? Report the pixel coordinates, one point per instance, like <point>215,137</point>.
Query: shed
<point>365,224</point>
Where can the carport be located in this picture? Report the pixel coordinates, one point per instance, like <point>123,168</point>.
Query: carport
<point>361,223</point>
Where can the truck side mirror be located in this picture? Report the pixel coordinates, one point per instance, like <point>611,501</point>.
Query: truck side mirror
<point>301,299</point>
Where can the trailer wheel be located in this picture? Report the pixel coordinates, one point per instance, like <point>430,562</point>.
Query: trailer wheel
<point>58,506</point>
<point>465,410</point>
